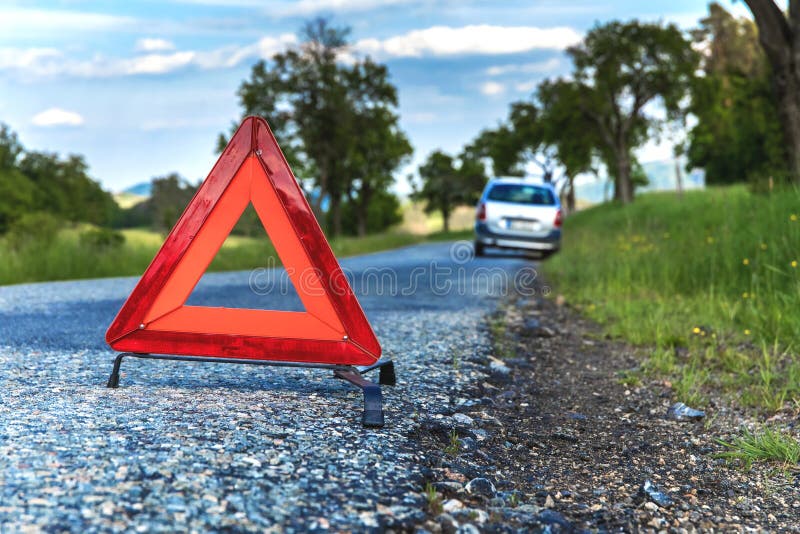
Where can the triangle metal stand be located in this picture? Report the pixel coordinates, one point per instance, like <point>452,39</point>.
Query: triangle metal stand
<point>373,397</point>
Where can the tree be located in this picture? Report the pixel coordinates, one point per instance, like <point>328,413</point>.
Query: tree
<point>378,146</point>
<point>10,148</point>
<point>16,189</point>
<point>779,35</point>
<point>64,188</point>
<point>169,197</point>
<point>737,136</point>
<point>620,68</point>
<point>319,107</point>
<point>447,183</point>
<point>565,129</point>
<point>16,196</point>
<point>33,181</point>
<point>517,142</point>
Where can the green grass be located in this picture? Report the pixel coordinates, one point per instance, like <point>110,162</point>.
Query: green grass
<point>433,499</point>
<point>454,445</point>
<point>709,284</point>
<point>766,445</point>
<point>67,258</point>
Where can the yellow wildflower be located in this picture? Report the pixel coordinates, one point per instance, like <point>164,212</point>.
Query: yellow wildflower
<point>794,264</point>
<point>745,261</point>
<point>746,332</point>
<point>709,240</point>
<point>793,217</point>
<point>745,295</point>
<point>696,330</point>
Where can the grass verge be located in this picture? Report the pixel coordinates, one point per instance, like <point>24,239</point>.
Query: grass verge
<point>67,257</point>
<point>707,283</point>
<point>766,445</point>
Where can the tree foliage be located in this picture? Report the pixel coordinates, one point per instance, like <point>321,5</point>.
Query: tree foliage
<point>335,121</point>
<point>602,111</point>
<point>169,196</point>
<point>448,182</point>
<point>517,142</point>
<point>44,182</point>
<point>620,68</point>
<point>779,35</point>
<point>738,135</point>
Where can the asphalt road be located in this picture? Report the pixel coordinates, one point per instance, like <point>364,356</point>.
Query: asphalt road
<point>207,446</point>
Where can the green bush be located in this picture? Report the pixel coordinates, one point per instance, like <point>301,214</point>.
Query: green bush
<point>383,212</point>
<point>33,229</point>
<point>102,239</point>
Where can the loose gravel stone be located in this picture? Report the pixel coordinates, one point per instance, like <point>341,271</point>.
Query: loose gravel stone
<point>680,412</point>
<point>648,490</point>
<point>482,487</point>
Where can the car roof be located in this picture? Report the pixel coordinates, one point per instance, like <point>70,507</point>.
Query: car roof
<point>521,181</point>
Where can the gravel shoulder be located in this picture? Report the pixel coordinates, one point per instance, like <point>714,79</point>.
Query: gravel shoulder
<point>568,447</point>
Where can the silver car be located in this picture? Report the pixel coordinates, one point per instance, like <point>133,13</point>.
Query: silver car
<point>515,213</point>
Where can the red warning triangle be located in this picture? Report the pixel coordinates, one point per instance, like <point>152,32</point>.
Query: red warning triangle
<point>332,329</point>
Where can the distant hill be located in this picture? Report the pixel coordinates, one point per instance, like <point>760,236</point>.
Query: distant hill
<point>660,173</point>
<point>142,189</point>
<point>126,200</point>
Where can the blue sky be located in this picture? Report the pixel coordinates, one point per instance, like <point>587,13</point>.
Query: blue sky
<point>142,88</point>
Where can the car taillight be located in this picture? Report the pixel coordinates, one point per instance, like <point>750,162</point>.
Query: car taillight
<point>557,222</point>
<point>481,213</point>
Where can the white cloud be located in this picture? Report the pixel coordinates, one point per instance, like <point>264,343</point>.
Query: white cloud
<point>154,44</point>
<point>154,63</point>
<point>230,56</point>
<point>37,61</point>
<point>477,39</point>
<point>525,68</point>
<point>524,87</point>
<point>57,117</point>
<point>21,20</point>
<point>304,7</point>
<point>49,62</point>
<point>421,117</point>
<point>310,7</point>
<point>492,88</point>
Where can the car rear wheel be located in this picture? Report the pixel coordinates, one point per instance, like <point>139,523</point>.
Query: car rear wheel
<point>479,249</point>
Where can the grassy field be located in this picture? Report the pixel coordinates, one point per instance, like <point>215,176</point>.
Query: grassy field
<point>709,283</point>
<point>68,258</point>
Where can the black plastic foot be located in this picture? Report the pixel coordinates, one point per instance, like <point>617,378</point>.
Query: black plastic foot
<point>113,380</point>
<point>387,376</point>
<point>373,407</point>
<point>373,398</point>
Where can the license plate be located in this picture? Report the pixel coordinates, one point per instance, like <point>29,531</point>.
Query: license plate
<point>525,226</point>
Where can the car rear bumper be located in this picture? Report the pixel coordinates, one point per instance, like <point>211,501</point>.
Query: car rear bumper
<point>549,242</point>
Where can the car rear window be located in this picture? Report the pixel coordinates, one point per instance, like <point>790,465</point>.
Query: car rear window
<point>522,194</point>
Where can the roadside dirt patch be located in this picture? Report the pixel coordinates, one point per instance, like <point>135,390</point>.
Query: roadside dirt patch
<point>566,445</point>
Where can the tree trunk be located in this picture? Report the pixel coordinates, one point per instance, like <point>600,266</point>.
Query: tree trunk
<point>780,39</point>
<point>364,198</point>
<point>336,215</point>
<point>446,219</point>
<point>571,195</point>
<point>624,185</point>
<point>361,223</point>
<point>678,177</point>
<point>787,87</point>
